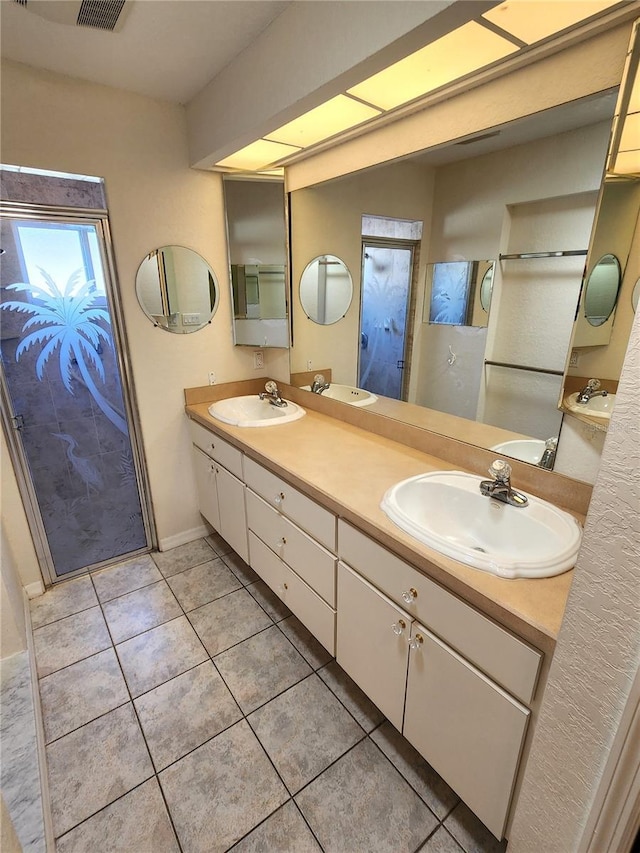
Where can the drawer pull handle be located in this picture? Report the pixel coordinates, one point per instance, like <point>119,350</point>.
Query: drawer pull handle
<point>213,447</point>
<point>410,595</point>
<point>285,586</point>
<point>398,627</point>
<point>279,498</point>
<point>280,545</point>
<point>416,642</point>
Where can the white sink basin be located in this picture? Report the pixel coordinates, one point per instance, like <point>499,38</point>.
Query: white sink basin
<point>524,449</point>
<point>251,411</point>
<point>597,407</point>
<point>446,511</point>
<point>347,394</point>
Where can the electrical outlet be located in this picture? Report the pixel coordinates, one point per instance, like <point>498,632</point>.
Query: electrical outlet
<point>191,319</point>
<point>309,365</point>
<point>212,378</point>
<point>258,359</point>
<point>574,359</point>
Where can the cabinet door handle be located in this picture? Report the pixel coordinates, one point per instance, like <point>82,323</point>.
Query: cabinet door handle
<point>279,498</point>
<point>416,642</point>
<point>280,545</point>
<point>409,595</point>
<point>398,627</point>
<point>213,447</point>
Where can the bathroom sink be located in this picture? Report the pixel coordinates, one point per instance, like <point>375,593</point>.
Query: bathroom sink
<point>251,411</point>
<point>597,407</point>
<point>347,394</point>
<point>524,449</point>
<point>446,511</point>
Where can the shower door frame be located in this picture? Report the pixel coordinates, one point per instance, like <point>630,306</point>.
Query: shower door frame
<point>100,219</point>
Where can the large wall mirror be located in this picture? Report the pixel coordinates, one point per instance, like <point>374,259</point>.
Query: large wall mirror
<point>525,196</point>
<point>177,289</point>
<point>257,252</point>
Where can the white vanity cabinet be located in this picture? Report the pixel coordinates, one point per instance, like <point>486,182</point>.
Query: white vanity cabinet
<point>292,548</point>
<point>435,666</point>
<point>218,469</point>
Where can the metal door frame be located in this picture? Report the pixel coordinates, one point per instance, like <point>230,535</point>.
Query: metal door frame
<point>100,219</point>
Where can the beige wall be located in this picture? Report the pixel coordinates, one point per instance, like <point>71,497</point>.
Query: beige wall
<point>598,648</point>
<point>139,147</point>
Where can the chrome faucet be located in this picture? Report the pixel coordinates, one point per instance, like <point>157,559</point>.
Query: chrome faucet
<point>319,384</point>
<point>272,394</point>
<point>549,456</point>
<point>500,487</point>
<point>590,390</point>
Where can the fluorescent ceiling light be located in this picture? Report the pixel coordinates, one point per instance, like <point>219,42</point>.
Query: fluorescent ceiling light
<point>334,116</point>
<point>627,163</point>
<point>630,138</point>
<point>456,54</point>
<point>258,155</point>
<point>532,20</point>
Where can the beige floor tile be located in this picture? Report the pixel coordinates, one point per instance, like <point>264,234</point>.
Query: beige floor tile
<point>136,823</point>
<point>185,712</point>
<point>311,650</point>
<point>118,580</point>
<point>351,696</point>
<point>241,570</point>
<point>268,600</point>
<point>183,557</point>
<point>470,833</point>
<point>62,600</point>
<point>160,654</point>
<point>140,610</point>
<point>81,692</point>
<point>93,766</point>
<point>284,832</point>
<point>304,730</point>
<point>69,640</point>
<point>228,620</point>
<point>202,584</point>
<point>362,803</point>
<point>259,668</point>
<point>223,789</point>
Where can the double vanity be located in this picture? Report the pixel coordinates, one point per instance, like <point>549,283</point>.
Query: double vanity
<point>456,657</point>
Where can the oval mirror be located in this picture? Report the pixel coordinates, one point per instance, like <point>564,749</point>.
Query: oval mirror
<point>635,296</point>
<point>486,289</point>
<point>601,292</point>
<point>177,289</point>
<point>326,290</point>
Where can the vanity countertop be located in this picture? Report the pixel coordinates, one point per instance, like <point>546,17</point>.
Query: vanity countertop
<point>348,469</point>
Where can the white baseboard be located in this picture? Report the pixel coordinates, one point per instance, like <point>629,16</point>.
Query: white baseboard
<point>33,590</point>
<point>182,538</point>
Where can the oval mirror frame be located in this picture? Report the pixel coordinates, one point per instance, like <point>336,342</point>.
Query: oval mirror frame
<point>177,289</point>
<point>601,290</point>
<point>486,289</point>
<point>635,296</point>
<point>325,294</point>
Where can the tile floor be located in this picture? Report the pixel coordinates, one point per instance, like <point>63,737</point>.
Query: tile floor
<point>186,709</point>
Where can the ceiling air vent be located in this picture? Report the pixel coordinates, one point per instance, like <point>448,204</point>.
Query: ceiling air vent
<point>97,14</point>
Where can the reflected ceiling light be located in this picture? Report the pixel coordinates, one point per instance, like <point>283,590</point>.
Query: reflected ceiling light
<point>258,155</point>
<point>533,20</point>
<point>334,116</point>
<point>456,54</point>
<point>630,137</point>
<point>627,163</point>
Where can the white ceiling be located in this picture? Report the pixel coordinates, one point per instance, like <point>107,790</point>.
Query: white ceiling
<point>167,49</point>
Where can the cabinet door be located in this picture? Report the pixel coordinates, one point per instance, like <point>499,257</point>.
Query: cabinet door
<point>466,727</point>
<point>205,469</point>
<point>233,517</point>
<point>372,643</point>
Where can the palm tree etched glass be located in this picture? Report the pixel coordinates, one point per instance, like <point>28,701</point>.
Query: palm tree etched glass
<point>62,375</point>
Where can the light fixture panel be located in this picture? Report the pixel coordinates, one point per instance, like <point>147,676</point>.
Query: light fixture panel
<point>334,116</point>
<point>466,49</point>
<point>533,20</point>
<point>630,137</point>
<point>258,155</point>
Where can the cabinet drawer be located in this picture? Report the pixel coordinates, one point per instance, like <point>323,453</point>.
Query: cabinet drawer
<point>510,661</point>
<point>304,555</point>
<point>219,449</point>
<point>468,729</point>
<point>310,609</point>
<point>309,515</point>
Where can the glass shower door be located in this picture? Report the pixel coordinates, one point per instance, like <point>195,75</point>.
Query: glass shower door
<point>61,379</point>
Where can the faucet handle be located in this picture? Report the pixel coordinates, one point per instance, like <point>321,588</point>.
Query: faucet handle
<point>271,387</point>
<point>500,470</point>
<point>551,443</point>
<point>594,384</point>
<point>319,378</point>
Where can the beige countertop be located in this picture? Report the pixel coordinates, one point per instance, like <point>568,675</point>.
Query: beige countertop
<point>348,469</point>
